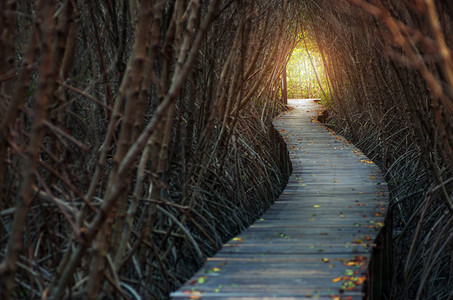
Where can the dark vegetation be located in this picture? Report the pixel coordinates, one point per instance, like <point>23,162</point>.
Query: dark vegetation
<point>390,71</point>
<point>135,135</point>
<point>135,138</point>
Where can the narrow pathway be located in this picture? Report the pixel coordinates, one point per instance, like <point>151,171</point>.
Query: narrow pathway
<point>316,240</point>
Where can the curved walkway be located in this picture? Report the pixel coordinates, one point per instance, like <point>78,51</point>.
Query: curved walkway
<point>317,239</point>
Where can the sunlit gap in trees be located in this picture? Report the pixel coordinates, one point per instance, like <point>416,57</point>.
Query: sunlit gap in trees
<point>305,71</point>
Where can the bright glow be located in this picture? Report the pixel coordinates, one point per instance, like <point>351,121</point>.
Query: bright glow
<point>302,71</point>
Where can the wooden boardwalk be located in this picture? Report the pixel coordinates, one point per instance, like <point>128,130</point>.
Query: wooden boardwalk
<point>316,240</point>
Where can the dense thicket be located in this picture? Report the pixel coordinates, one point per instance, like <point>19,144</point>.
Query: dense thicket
<point>134,138</point>
<point>134,135</point>
<point>391,75</point>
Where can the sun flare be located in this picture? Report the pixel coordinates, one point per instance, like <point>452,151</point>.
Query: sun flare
<point>305,72</point>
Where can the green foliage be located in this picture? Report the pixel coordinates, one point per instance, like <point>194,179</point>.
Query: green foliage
<point>301,76</point>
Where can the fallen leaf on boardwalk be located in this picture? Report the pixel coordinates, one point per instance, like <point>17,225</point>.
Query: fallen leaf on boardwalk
<point>326,260</point>
<point>371,177</point>
<point>335,181</point>
<point>361,279</point>
<point>237,239</point>
<point>336,279</point>
<point>193,294</point>
<point>202,279</point>
<point>358,261</point>
<point>316,206</point>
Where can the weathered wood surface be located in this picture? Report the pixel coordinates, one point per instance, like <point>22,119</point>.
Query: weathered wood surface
<point>316,240</point>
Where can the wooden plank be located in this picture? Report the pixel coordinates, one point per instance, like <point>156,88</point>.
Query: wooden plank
<point>317,238</point>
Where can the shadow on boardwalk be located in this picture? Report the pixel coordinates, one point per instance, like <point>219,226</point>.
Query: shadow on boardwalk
<point>317,239</point>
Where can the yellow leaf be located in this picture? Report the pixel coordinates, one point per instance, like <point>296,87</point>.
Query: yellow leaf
<point>336,279</point>
<point>193,294</point>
